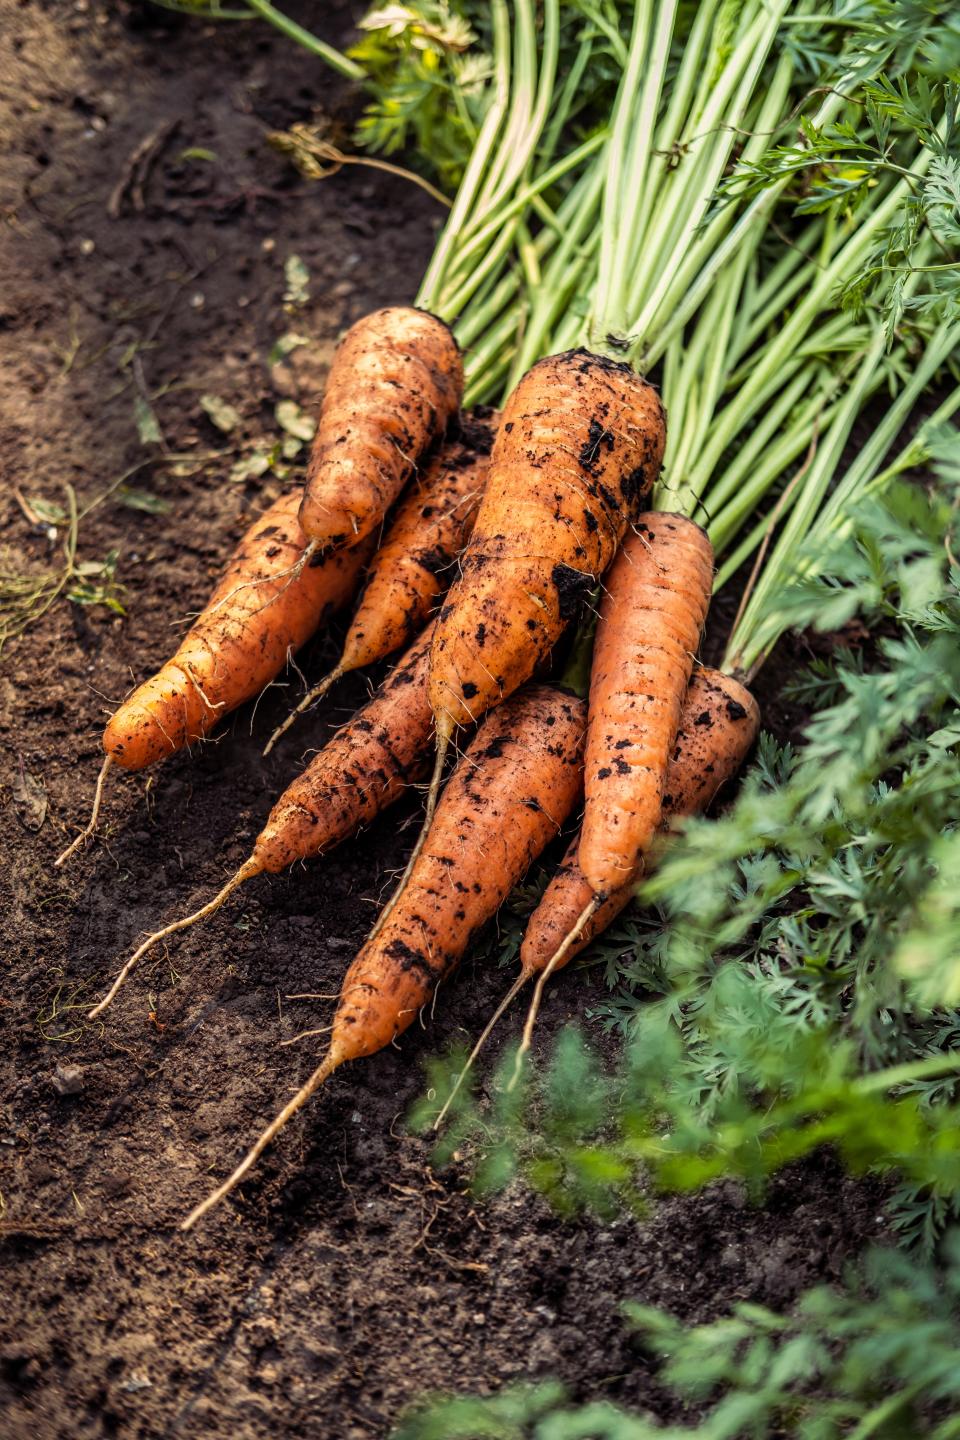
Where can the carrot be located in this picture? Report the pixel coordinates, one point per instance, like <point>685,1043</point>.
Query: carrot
<point>258,614</point>
<point>396,380</point>
<point>509,795</point>
<point>413,566</point>
<point>656,598</point>
<point>364,767</point>
<point>718,726</point>
<point>579,445</point>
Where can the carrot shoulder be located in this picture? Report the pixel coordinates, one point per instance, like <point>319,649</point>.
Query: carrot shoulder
<point>255,617</point>
<point>395,381</point>
<point>579,446</point>
<point>655,601</point>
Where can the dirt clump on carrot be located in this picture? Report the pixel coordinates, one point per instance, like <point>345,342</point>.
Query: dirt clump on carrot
<point>395,382</point>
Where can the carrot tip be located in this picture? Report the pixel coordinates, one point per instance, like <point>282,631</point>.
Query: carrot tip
<point>315,694</point>
<point>569,940</point>
<point>333,1058</point>
<point>90,828</point>
<point>443,740</point>
<point>507,1000</point>
<point>247,870</point>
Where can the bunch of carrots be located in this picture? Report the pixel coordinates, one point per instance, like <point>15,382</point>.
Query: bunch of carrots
<point>476,538</point>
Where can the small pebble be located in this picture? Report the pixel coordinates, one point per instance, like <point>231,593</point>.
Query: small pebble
<point>68,1080</point>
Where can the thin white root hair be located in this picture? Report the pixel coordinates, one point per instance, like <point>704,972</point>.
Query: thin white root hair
<point>311,698</point>
<point>90,828</point>
<point>305,1035</point>
<point>244,873</point>
<point>505,1003</point>
<point>527,1039</point>
<point>323,1071</point>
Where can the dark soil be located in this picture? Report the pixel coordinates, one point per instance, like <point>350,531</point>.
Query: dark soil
<point>345,1279</point>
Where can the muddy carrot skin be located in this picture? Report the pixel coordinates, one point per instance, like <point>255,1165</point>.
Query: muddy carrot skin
<point>417,559</point>
<point>395,382</point>
<point>517,780</point>
<point>719,725</point>
<point>506,799</point>
<point>655,601</point>
<point>256,617</point>
<point>363,768</point>
<point>579,446</point>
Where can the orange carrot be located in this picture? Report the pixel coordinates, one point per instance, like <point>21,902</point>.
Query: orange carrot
<point>414,565</point>
<point>365,767</point>
<point>655,602</point>
<point>265,607</point>
<point>396,380</point>
<point>507,798</point>
<point>579,446</point>
<point>718,726</point>
<point>252,623</point>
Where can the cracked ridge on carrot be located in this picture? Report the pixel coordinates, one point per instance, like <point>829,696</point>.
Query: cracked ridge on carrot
<point>652,611</point>
<point>719,724</point>
<point>395,382</point>
<point>257,615</point>
<point>517,782</point>
<point>579,446</point>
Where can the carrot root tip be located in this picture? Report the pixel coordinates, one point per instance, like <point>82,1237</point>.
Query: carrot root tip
<point>570,940</point>
<point>505,1003</point>
<point>444,733</point>
<point>90,828</point>
<point>312,697</point>
<point>248,869</point>
<point>333,1058</point>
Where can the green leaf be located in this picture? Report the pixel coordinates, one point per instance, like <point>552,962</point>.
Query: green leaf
<point>294,421</point>
<point>48,510</point>
<point>250,467</point>
<point>148,427</point>
<point>197,152</point>
<point>225,417</point>
<point>285,346</point>
<point>143,500</point>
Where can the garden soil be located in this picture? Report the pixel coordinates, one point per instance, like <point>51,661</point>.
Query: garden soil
<point>145,239</point>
